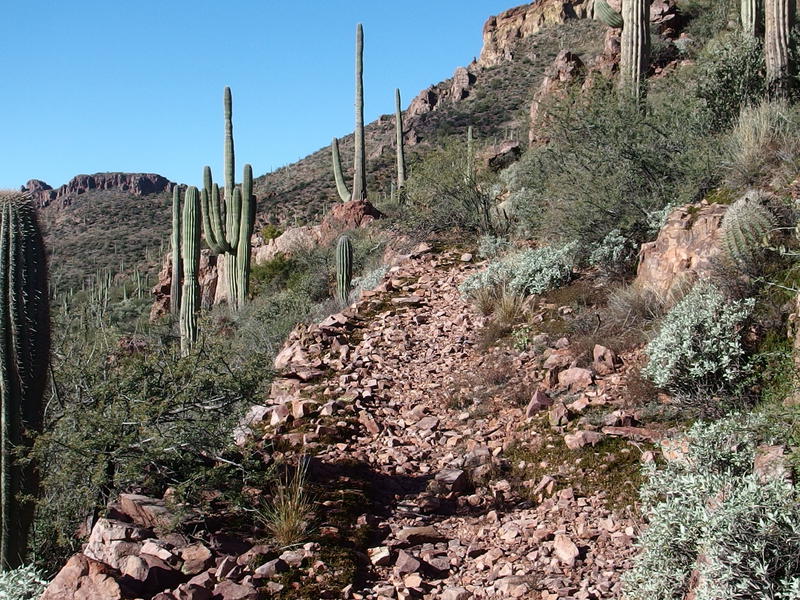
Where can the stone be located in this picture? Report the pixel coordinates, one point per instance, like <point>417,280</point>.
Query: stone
<point>420,535</point>
<point>112,541</point>
<point>566,71</point>
<point>271,568</point>
<point>579,439</point>
<point>83,578</point>
<point>380,556</point>
<point>565,550</point>
<point>606,360</point>
<point>684,250</point>
<point>405,563</point>
<point>454,481</point>
<point>230,590</point>
<point>150,513</point>
<point>576,378</point>
<point>539,402</point>
<point>188,591</point>
<point>770,464</point>
<point>196,558</point>
<point>456,593</point>
<point>558,415</point>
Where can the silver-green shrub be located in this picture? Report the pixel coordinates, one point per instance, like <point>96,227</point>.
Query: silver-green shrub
<point>23,583</point>
<point>614,253</point>
<point>709,512</point>
<point>492,246</point>
<point>699,341</point>
<point>526,273</point>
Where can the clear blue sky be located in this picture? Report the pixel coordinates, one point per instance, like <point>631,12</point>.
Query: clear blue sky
<point>137,85</point>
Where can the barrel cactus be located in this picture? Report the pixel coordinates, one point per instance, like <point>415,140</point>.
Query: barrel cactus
<point>24,359</point>
<point>746,228</point>
<point>344,268</point>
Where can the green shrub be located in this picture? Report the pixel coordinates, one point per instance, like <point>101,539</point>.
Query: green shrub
<point>699,342</point>
<point>729,76</point>
<point>616,253</point>
<point>525,273</point>
<point>609,166</point>
<point>491,246</point>
<point>708,512</point>
<point>24,583</point>
<point>270,232</point>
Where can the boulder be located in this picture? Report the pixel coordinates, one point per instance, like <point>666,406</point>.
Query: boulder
<point>83,578</point>
<point>112,541</point>
<point>684,249</point>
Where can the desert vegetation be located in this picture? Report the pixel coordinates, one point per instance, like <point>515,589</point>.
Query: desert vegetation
<point>485,349</point>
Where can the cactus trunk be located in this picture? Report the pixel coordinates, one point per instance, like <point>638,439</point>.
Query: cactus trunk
<point>360,169</point>
<point>246,223</point>
<point>779,18</point>
<point>175,284</point>
<point>635,42</point>
<point>24,359</point>
<point>190,298</point>
<point>344,268</point>
<point>752,12</point>
<point>401,157</point>
<point>341,186</point>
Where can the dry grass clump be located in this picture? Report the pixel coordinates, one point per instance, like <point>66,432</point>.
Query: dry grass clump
<point>287,515</point>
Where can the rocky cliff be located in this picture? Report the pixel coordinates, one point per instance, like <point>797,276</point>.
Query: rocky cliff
<point>137,184</point>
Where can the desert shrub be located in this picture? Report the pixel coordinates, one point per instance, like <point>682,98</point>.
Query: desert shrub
<point>729,76</point>
<point>368,280</point>
<point>270,232</point>
<point>699,342</point>
<point>763,148</point>
<point>610,167</point>
<point>526,273</point>
<point>616,253</point>
<point>445,191</point>
<point>23,583</point>
<point>491,246</point>
<point>707,511</point>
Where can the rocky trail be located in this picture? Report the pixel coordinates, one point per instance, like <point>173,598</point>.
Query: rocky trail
<point>474,465</point>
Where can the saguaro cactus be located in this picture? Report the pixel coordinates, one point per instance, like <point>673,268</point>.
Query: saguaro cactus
<point>190,298</point>
<point>635,48</point>
<point>359,162</point>
<point>240,213</point>
<point>401,156</point>
<point>752,12</point>
<point>344,268</point>
<point>603,12</point>
<point>779,18</point>
<point>175,284</point>
<point>24,357</point>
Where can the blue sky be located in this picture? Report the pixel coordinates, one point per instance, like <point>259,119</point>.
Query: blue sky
<point>137,85</point>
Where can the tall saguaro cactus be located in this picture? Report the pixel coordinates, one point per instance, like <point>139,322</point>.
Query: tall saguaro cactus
<point>401,155</point>
<point>779,18</point>
<point>24,359</point>
<point>635,53</point>
<point>359,162</point>
<point>175,284</point>
<point>752,12</point>
<point>344,268</point>
<point>190,298</point>
<point>240,213</point>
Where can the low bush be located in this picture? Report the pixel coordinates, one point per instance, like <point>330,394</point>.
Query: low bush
<point>699,342</point>
<point>23,583</point>
<point>526,273</point>
<point>708,513</point>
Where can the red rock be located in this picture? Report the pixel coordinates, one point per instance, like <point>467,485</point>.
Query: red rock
<point>147,512</point>
<point>576,378</point>
<point>196,558</point>
<point>84,579</point>
<point>770,463</point>
<point>579,439</point>
<point>539,401</point>
<point>565,549</point>
<point>637,434</point>
<point>229,590</point>
<point>406,563</point>
<point>606,360</point>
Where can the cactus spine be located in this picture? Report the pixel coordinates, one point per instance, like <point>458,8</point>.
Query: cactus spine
<point>24,359</point>
<point>190,298</point>
<point>779,17</point>
<point>240,213</point>
<point>401,155</point>
<point>344,268</point>
<point>604,13</point>
<point>751,15</point>
<point>635,49</point>
<point>341,186</point>
<point>175,284</point>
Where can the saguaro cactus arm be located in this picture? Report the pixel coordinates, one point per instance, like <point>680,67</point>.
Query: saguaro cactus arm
<point>752,13</point>
<point>635,42</point>
<point>341,186</point>
<point>175,284</point>
<point>779,18</point>
<point>344,268</point>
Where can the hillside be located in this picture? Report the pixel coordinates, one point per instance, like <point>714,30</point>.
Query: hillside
<point>97,227</point>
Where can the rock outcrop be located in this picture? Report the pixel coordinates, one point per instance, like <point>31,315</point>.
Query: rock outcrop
<point>138,184</point>
<point>501,33</point>
<point>684,249</point>
<point>344,216</point>
<point>566,71</point>
<point>447,92</point>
